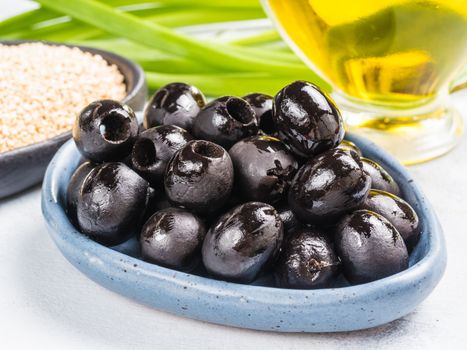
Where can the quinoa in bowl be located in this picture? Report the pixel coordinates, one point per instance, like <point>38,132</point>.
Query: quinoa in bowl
<point>26,159</point>
<point>43,88</point>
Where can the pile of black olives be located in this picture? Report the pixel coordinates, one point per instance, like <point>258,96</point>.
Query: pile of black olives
<point>240,187</point>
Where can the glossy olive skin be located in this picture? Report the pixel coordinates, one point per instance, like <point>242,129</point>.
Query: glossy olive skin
<point>370,247</point>
<point>199,177</point>
<point>174,104</point>
<point>350,146</point>
<point>307,261</point>
<point>262,105</point>
<point>380,178</point>
<point>74,189</point>
<point>105,131</point>
<point>307,119</point>
<point>398,212</point>
<point>154,148</point>
<point>225,121</point>
<point>329,186</point>
<point>264,168</point>
<point>243,242</point>
<point>172,238</point>
<point>112,202</point>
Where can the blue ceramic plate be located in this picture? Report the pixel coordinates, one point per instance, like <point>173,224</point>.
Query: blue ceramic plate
<point>251,306</point>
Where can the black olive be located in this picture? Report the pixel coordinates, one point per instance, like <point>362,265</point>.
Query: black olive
<point>398,212</point>
<point>243,242</point>
<point>74,188</point>
<point>154,148</point>
<point>105,131</point>
<point>174,104</point>
<point>112,202</point>
<point>307,261</point>
<point>225,121</point>
<point>264,168</point>
<point>172,238</point>
<point>199,177</point>
<point>328,186</point>
<point>307,119</point>
<point>370,247</point>
<point>380,178</point>
<point>262,105</point>
<point>350,146</point>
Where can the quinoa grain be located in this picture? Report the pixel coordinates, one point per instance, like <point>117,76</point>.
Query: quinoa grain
<point>44,87</point>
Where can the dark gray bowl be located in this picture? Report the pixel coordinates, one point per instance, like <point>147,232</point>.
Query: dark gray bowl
<point>25,166</point>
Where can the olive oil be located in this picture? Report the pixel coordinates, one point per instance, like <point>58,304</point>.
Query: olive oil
<point>385,52</point>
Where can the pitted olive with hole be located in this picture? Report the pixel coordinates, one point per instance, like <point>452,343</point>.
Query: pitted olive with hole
<point>262,105</point>
<point>154,148</point>
<point>199,177</point>
<point>225,121</point>
<point>105,131</point>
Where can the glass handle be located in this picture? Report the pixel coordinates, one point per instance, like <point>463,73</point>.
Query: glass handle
<point>460,82</point>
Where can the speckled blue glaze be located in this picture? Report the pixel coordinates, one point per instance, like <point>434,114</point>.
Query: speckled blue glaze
<point>251,306</point>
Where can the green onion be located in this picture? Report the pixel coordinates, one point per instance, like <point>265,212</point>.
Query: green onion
<point>154,35</point>
<point>260,38</point>
<point>24,20</point>
<point>149,59</point>
<point>148,33</point>
<point>43,17</point>
<point>238,84</point>
<point>67,29</point>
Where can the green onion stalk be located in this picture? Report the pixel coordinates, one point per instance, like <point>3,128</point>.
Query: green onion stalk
<point>154,34</point>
